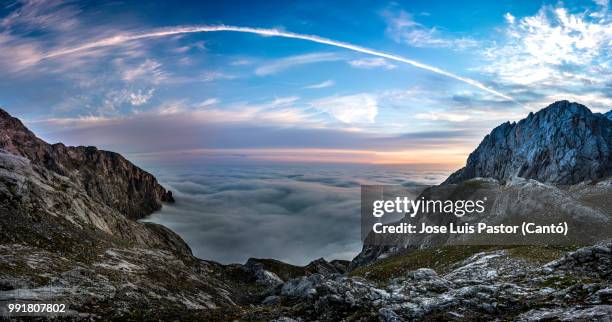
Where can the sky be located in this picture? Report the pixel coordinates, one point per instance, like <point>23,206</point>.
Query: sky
<point>415,82</point>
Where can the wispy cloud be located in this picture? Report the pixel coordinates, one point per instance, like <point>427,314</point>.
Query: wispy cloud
<point>33,14</point>
<point>210,76</point>
<point>115,99</point>
<point>553,48</point>
<point>140,97</point>
<point>293,61</point>
<point>254,133</point>
<point>324,84</point>
<point>436,116</point>
<point>165,32</point>
<point>209,102</point>
<point>357,108</point>
<point>402,28</point>
<point>282,101</point>
<point>241,62</point>
<point>375,62</point>
<point>148,71</point>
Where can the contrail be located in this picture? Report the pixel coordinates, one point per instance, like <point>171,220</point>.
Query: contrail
<point>116,40</point>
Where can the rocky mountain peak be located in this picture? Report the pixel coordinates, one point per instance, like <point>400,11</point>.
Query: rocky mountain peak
<point>107,177</point>
<point>608,115</point>
<point>564,143</point>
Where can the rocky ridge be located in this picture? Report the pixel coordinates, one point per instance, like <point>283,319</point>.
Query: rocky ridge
<point>503,284</point>
<point>564,143</point>
<point>105,176</point>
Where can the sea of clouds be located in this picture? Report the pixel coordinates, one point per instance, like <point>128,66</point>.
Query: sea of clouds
<point>291,213</point>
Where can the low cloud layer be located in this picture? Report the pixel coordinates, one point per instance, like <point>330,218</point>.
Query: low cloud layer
<point>295,214</point>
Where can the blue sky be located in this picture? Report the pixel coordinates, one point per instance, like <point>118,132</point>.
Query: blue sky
<point>126,76</point>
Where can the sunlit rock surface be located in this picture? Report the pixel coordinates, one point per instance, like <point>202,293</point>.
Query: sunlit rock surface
<point>564,143</point>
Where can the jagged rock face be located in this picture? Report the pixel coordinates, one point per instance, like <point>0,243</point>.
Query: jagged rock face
<point>585,208</point>
<point>608,115</point>
<point>69,234</point>
<point>106,176</point>
<point>491,285</point>
<point>42,207</point>
<point>565,143</point>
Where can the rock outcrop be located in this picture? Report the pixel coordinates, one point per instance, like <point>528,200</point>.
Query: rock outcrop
<point>105,176</point>
<point>68,234</point>
<point>520,167</point>
<point>585,208</point>
<point>564,143</point>
<point>511,284</point>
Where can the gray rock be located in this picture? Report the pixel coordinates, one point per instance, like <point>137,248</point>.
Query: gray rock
<point>284,319</point>
<point>387,315</point>
<point>271,300</point>
<point>565,143</point>
<point>603,296</point>
<point>422,274</point>
<point>303,287</point>
<point>106,177</point>
<point>262,276</point>
<point>594,313</point>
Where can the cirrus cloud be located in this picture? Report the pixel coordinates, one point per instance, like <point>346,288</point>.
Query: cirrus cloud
<point>357,108</point>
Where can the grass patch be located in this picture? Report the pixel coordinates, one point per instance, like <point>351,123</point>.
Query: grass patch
<point>540,254</point>
<point>439,259</point>
<point>442,259</point>
<point>283,270</point>
<point>560,282</point>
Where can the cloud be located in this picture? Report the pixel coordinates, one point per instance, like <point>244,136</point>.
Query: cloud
<point>209,102</point>
<point>358,108</point>
<point>32,15</point>
<point>241,62</point>
<point>603,9</point>
<point>293,61</point>
<point>294,215</point>
<point>172,108</point>
<point>139,97</point>
<point>265,216</point>
<point>210,76</point>
<point>280,101</point>
<point>115,99</point>
<point>121,38</point>
<point>324,84</point>
<point>596,101</point>
<point>402,28</point>
<point>553,49</point>
<point>375,62</point>
<point>188,134</point>
<point>148,71</point>
<point>436,116</point>
<point>509,18</point>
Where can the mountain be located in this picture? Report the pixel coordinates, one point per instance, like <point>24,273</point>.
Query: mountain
<point>564,143</point>
<point>552,166</point>
<point>69,234</point>
<point>519,167</point>
<point>68,217</point>
<point>105,176</point>
<point>608,115</point>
